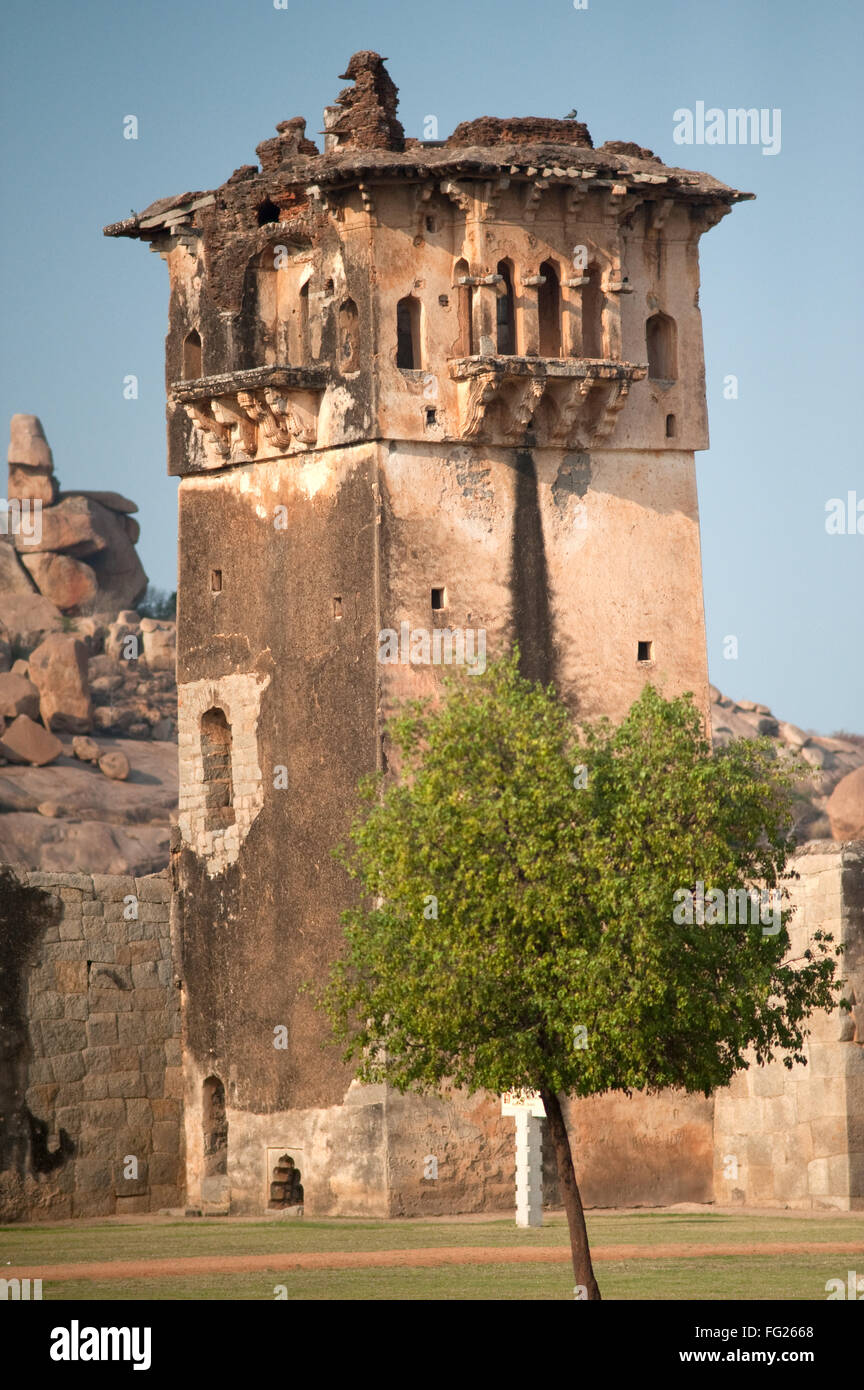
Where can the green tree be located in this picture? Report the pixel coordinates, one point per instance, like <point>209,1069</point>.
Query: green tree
<point>515,921</point>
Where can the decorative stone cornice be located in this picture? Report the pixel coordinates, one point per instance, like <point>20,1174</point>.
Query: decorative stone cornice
<point>570,402</point>
<point>242,416</point>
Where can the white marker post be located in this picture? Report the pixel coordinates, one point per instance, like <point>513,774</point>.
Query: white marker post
<point>527,1109</point>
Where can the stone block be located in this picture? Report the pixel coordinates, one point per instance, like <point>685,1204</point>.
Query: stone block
<point>45,1003</point>
<point>780,1113</point>
<point>828,1177</point>
<point>129,1085</point>
<point>768,1081</point>
<point>166,1137</point>
<point>63,1035</point>
<point>145,975</point>
<point>133,1206</point>
<point>826,1059</point>
<point>68,1066</point>
<point>830,1136</point>
<point>40,1071</point>
<point>76,1006</point>
<point>95,1087</point>
<point>113,888</point>
<point>93,1203</point>
<point>108,975</point>
<point>825,1097</point>
<point>154,889</point>
<point>759,1184</point>
<point>110,1001</point>
<point>129,1187</point>
<point>71,976</point>
<point>37,878</point>
<point>164,1168</point>
<point>139,1114</point>
<point>173,1082</point>
<point>168,1196</point>
<point>110,1059</point>
<point>102,1030</point>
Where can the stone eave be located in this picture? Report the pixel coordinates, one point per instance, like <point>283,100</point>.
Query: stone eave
<point>251,379</point>
<point>559,164</point>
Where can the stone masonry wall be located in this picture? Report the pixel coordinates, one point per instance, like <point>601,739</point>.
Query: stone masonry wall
<point>796,1138</point>
<point>91,1121</point>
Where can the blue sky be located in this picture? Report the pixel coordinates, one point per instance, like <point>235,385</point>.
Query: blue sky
<point>781,277</point>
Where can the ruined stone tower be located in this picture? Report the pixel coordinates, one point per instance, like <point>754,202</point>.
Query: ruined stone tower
<point>454,385</point>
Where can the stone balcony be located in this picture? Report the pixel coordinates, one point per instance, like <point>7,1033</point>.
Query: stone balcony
<point>570,402</point>
<point>258,413</point>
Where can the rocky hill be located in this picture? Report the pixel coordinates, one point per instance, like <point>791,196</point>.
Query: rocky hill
<point>88,698</point>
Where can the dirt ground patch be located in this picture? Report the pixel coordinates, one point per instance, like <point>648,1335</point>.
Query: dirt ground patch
<point>442,1255</point>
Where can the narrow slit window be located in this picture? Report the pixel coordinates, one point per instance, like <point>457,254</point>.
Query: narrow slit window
<point>431,415</point>
<point>216,581</point>
<point>439,599</point>
<point>408,352</point>
<point>337,606</point>
<point>645,651</point>
<point>670,426</point>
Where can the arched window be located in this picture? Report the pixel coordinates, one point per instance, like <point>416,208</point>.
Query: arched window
<point>348,346</point>
<point>214,1123</point>
<point>409,356</point>
<point>192,365</point>
<point>216,759</point>
<point>466,308</point>
<point>662,347</point>
<point>506,312</point>
<point>593,301</point>
<point>549,309</point>
<point>305,352</point>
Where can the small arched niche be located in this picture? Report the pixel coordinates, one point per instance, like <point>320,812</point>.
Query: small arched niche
<point>409,354</point>
<point>214,1123</point>
<point>192,356</point>
<point>549,310</point>
<point>349,357</point>
<point>661,344</point>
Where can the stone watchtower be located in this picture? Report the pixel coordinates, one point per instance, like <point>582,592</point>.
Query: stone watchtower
<point>451,385</point>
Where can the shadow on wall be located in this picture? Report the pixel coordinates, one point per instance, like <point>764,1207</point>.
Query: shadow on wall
<point>25,915</point>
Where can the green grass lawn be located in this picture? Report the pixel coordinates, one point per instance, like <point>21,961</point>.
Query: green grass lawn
<point>33,1245</point>
<point>793,1277</point>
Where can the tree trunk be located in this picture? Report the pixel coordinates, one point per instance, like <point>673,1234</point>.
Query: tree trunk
<point>582,1267</point>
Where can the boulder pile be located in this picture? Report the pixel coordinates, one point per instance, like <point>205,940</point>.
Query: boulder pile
<point>76,549</point>
<point>88,696</point>
<point>830,799</point>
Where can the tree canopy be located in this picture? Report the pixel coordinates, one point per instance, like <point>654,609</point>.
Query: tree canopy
<point>518,880</point>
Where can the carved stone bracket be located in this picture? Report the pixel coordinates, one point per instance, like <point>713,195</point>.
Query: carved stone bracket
<point>242,416</point>
<point>574,403</point>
